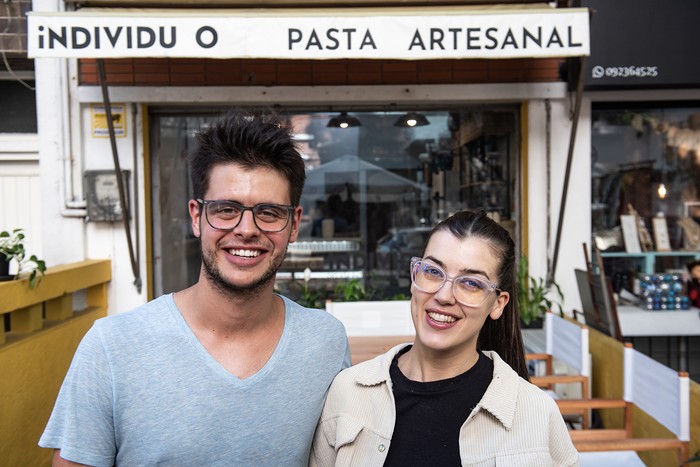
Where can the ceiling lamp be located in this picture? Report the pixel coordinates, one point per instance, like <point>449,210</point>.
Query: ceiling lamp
<point>412,119</point>
<point>343,121</point>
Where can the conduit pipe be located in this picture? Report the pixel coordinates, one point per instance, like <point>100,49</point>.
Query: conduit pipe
<point>72,207</point>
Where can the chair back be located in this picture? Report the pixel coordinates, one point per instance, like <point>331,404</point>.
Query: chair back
<point>660,391</point>
<point>568,342</point>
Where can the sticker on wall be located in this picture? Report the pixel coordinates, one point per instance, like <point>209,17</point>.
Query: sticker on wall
<point>98,121</point>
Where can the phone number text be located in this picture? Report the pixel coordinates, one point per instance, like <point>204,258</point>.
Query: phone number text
<point>625,72</point>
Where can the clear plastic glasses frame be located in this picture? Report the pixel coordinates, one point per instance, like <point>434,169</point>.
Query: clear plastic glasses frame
<point>468,290</point>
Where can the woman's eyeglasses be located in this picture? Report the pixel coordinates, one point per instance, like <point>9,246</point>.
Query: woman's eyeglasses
<point>468,290</point>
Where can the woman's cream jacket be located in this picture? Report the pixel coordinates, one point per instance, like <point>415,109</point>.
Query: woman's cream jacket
<point>514,424</point>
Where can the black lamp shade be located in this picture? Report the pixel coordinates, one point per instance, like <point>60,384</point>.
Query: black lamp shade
<point>343,121</point>
<point>411,119</point>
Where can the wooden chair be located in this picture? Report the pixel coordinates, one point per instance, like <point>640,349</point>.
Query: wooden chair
<point>650,386</point>
<point>373,327</point>
<point>565,342</point>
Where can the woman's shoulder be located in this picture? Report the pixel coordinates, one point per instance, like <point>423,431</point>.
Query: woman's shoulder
<point>526,392</point>
<point>368,373</point>
<point>535,397</point>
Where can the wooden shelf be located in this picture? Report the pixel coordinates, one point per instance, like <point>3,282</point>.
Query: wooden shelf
<point>649,257</point>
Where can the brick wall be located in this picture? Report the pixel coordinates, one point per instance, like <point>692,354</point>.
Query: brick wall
<point>210,72</point>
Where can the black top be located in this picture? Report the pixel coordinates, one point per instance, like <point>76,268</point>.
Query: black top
<point>430,415</point>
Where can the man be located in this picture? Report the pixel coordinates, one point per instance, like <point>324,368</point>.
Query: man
<point>225,372</point>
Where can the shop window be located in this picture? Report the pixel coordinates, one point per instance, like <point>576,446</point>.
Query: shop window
<point>372,195</point>
<point>18,108</point>
<point>645,161</point>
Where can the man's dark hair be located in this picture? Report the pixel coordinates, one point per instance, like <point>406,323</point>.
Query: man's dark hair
<point>250,140</point>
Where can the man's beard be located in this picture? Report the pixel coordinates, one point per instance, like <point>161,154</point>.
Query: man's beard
<point>223,285</point>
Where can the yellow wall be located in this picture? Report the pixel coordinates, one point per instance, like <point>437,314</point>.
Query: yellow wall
<point>607,364</point>
<point>31,373</point>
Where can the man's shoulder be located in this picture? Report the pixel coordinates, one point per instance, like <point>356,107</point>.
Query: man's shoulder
<point>313,315</point>
<point>152,311</point>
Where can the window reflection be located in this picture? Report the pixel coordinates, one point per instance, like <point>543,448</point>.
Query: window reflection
<point>373,193</point>
<point>647,159</point>
<point>645,162</point>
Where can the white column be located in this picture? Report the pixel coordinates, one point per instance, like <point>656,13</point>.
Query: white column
<point>63,237</point>
<point>576,227</point>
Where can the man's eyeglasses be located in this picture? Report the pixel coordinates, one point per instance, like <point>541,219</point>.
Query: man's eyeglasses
<point>468,290</point>
<point>223,214</point>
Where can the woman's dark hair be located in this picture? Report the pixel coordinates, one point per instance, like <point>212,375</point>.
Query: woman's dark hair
<point>262,140</point>
<point>502,335</point>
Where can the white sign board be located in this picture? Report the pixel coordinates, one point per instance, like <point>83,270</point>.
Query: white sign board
<point>230,34</point>
<point>630,233</point>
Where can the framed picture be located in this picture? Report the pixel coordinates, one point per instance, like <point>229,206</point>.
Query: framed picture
<point>661,234</point>
<point>692,209</point>
<point>630,233</point>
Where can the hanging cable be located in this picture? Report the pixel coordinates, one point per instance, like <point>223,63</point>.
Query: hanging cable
<point>126,213</point>
<point>567,173</point>
<point>548,157</point>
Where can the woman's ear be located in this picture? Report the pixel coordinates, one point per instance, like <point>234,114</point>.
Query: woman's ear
<point>499,305</point>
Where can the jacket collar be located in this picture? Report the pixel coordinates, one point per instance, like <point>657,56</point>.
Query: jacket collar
<point>500,396</point>
<point>376,371</point>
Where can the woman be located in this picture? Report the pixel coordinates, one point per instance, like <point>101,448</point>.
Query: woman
<point>459,395</point>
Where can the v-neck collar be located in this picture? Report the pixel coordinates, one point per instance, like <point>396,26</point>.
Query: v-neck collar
<point>219,369</point>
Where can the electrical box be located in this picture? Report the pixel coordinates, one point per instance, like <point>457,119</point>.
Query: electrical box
<point>102,193</point>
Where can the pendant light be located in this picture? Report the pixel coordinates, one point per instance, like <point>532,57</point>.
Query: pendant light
<point>343,121</point>
<point>411,119</point>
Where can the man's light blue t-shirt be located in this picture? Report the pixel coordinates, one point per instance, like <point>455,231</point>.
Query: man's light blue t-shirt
<point>142,390</point>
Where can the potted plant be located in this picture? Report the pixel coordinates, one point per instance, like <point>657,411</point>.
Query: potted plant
<point>533,301</point>
<point>352,290</point>
<point>309,297</point>
<point>12,249</point>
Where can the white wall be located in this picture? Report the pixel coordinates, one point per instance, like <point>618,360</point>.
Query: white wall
<point>544,202</point>
<point>108,239</point>
<point>59,168</point>
<point>66,149</point>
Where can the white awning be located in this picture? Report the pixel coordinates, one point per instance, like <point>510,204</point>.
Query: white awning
<point>388,33</point>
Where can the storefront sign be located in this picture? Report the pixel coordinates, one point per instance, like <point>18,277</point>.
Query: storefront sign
<point>148,33</point>
<point>657,49</point>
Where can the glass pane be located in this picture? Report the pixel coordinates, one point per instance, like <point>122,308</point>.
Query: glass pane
<point>646,160</point>
<point>373,193</point>
<point>18,108</point>
<point>176,253</point>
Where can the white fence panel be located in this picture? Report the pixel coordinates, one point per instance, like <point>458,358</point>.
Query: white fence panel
<point>20,188</point>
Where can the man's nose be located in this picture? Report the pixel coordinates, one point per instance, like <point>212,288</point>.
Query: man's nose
<point>247,224</point>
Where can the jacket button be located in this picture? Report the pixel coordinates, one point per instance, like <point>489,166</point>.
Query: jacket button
<point>382,448</point>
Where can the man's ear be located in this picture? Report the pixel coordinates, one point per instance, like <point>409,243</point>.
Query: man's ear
<point>195,216</point>
<point>296,222</point>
